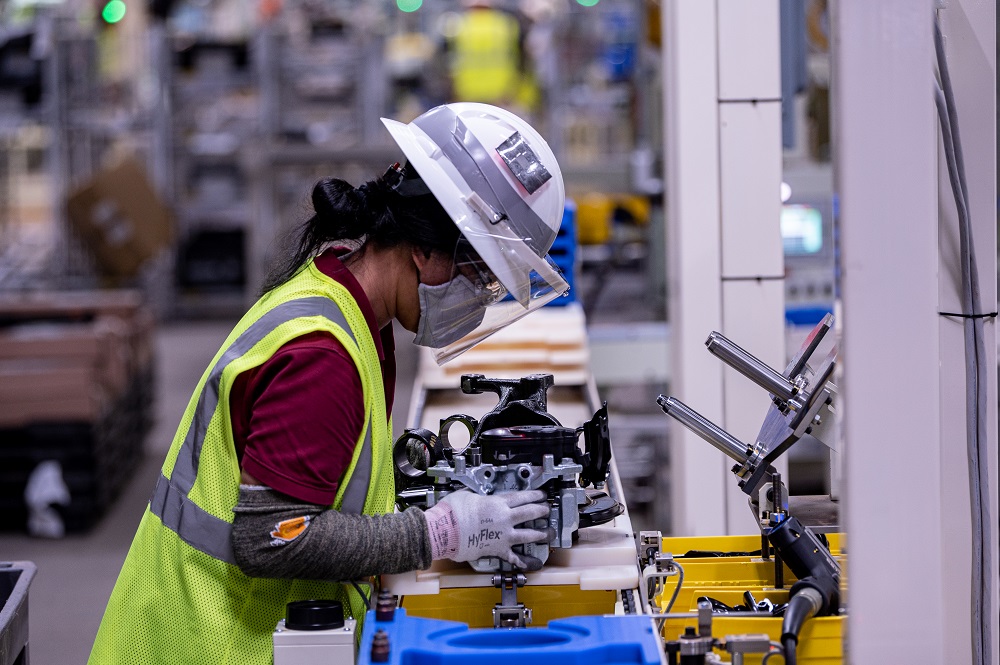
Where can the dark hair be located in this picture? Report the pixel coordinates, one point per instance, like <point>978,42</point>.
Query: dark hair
<point>372,213</point>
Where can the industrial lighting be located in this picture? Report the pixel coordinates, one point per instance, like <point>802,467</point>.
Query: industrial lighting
<point>587,3</point>
<point>409,5</point>
<point>114,11</point>
<point>786,192</point>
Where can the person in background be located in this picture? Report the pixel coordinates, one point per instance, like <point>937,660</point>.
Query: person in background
<point>487,58</point>
<point>278,485</point>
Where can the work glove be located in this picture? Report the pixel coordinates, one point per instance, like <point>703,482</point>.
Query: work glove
<point>465,526</point>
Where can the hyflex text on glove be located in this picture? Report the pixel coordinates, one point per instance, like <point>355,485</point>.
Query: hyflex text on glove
<point>465,526</point>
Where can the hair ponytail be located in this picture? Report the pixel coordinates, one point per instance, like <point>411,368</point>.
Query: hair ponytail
<point>342,212</point>
<point>372,213</point>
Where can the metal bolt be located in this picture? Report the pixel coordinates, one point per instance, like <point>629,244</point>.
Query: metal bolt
<point>385,609</point>
<point>380,647</point>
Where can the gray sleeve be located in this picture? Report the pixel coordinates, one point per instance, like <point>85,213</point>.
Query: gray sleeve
<point>276,536</point>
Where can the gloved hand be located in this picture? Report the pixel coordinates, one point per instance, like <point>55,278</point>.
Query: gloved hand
<point>465,526</point>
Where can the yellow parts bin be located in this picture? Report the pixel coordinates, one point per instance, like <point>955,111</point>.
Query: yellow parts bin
<point>726,578</point>
<point>474,605</point>
<point>596,214</point>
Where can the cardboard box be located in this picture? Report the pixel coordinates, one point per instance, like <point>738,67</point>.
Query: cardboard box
<point>66,356</point>
<point>17,307</point>
<point>121,219</point>
<point>48,391</point>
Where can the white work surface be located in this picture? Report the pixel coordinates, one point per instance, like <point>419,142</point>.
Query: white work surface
<point>602,559</point>
<point>552,340</point>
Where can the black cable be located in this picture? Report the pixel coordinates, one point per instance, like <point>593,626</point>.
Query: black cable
<point>677,589</point>
<point>788,645</point>
<point>771,654</point>
<point>366,599</point>
<point>801,606</point>
<point>973,417</point>
<point>956,315</point>
<point>978,461</point>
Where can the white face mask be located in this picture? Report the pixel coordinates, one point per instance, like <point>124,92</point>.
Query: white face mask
<point>448,312</point>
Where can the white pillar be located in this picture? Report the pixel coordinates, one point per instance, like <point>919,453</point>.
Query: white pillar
<point>723,173</point>
<point>907,500</point>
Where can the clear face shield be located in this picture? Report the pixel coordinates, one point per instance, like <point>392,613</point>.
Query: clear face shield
<point>500,184</point>
<point>475,304</point>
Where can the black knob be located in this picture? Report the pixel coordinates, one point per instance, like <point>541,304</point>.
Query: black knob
<point>380,647</point>
<point>314,615</point>
<point>385,608</point>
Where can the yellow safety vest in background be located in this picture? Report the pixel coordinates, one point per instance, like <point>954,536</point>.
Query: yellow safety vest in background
<point>180,598</point>
<point>486,57</point>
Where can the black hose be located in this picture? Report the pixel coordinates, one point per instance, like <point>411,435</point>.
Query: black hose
<point>788,645</point>
<point>804,603</point>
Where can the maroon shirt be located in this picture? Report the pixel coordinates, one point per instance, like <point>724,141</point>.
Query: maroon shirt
<point>297,417</point>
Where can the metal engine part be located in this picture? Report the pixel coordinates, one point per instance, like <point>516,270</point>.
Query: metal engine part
<point>518,446</point>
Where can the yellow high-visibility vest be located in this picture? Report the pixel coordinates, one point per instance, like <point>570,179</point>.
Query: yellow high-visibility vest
<point>485,58</point>
<point>180,598</point>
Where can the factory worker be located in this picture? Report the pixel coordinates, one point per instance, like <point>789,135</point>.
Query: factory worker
<point>279,483</point>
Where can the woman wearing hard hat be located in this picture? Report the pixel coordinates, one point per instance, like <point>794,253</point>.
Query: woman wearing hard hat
<point>279,482</point>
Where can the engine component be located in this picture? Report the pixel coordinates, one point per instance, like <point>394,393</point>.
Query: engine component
<point>518,446</point>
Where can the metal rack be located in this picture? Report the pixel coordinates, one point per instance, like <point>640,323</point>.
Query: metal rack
<point>77,116</point>
<point>210,86</point>
<point>247,125</point>
<point>322,93</point>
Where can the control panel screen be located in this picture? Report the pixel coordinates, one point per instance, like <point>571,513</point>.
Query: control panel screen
<point>801,230</point>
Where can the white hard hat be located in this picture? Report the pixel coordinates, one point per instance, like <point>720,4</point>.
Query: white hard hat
<point>498,180</point>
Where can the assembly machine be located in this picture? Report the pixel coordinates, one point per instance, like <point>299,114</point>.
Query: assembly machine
<point>704,598</point>
<point>603,593</point>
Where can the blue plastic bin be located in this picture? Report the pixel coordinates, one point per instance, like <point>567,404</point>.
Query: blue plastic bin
<point>563,253</point>
<point>608,640</point>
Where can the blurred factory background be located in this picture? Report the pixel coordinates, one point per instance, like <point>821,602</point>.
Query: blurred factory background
<point>155,154</point>
<point>165,148</point>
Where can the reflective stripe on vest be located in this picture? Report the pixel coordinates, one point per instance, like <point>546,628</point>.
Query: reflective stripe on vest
<point>194,525</point>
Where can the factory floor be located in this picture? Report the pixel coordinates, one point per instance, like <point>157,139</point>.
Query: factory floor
<point>76,573</point>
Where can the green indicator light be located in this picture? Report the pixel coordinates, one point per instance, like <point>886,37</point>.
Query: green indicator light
<point>587,3</point>
<point>114,11</point>
<point>409,5</point>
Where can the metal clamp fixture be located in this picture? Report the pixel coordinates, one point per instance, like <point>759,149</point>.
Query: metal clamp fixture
<point>649,544</point>
<point>509,613</point>
<point>695,646</point>
<point>798,397</point>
